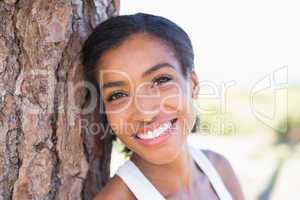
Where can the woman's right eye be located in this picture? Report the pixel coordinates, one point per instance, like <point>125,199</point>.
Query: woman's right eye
<point>116,95</point>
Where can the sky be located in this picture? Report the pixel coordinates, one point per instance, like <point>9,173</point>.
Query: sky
<point>235,40</point>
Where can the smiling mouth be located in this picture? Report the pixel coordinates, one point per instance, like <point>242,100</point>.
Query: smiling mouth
<point>162,129</point>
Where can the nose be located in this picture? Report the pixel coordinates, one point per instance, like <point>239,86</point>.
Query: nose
<point>146,104</point>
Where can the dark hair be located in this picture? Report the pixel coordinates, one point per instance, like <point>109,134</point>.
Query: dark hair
<point>112,32</point>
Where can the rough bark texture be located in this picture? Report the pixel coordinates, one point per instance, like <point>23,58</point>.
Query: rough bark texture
<point>44,151</point>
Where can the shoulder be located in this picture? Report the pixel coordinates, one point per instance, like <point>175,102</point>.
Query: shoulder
<point>115,189</point>
<point>226,172</point>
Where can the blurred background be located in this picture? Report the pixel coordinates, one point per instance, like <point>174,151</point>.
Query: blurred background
<point>247,59</point>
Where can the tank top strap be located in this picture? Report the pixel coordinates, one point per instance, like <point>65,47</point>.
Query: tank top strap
<point>212,174</point>
<point>138,184</point>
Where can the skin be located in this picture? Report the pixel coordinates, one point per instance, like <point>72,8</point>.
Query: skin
<point>146,97</point>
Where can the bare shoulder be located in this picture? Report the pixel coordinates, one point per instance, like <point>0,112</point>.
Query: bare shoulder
<point>226,172</point>
<point>115,189</point>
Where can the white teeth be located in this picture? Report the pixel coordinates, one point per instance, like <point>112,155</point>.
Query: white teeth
<point>156,132</point>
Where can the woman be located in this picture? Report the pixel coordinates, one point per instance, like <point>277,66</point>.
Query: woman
<point>143,66</point>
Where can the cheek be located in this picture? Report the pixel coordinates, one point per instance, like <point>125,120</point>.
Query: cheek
<point>117,122</point>
<point>171,100</point>
<point>179,102</point>
<point>176,99</point>
<point>187,116</point>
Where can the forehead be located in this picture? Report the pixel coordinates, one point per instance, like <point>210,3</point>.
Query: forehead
<point>136,54</point>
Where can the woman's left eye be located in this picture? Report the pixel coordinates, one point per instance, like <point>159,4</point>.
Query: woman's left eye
<point>160,80</point>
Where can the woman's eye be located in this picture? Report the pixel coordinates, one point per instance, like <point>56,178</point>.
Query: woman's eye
<point>161,80</point>
<point>116,95</point>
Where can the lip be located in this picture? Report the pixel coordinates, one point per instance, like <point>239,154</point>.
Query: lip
<point>160,139</point>
<point>154,125</point>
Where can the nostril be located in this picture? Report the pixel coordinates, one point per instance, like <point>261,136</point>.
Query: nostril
<point>173,120</point>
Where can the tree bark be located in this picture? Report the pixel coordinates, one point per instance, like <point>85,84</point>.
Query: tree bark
<point>45,153</point>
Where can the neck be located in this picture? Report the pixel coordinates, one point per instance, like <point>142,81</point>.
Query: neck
<point>172,177</point>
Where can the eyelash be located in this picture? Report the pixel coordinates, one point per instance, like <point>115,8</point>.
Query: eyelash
<point>156,81</point>
<point>115,94</point>
<point>165,78</point>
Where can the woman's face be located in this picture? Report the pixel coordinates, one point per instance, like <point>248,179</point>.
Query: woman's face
<point>147,99</point>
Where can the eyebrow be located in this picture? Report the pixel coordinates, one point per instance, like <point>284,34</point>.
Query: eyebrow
<point>113,84</point>
<point>157,67</point>
<point>146,73</point>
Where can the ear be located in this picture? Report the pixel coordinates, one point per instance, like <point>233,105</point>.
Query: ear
<point>195,85</point>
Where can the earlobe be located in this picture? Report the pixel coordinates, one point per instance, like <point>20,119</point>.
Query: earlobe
<point>196,93</point>
<point>195,85</point>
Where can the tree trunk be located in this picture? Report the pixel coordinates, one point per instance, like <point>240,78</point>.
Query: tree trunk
<point>45,153</point>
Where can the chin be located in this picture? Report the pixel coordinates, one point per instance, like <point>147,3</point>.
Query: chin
<point>166,154</point>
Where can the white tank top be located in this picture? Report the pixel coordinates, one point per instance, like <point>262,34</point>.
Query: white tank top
<point>142,188</point>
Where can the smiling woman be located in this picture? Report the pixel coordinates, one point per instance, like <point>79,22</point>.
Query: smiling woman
<point>143,68</point>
